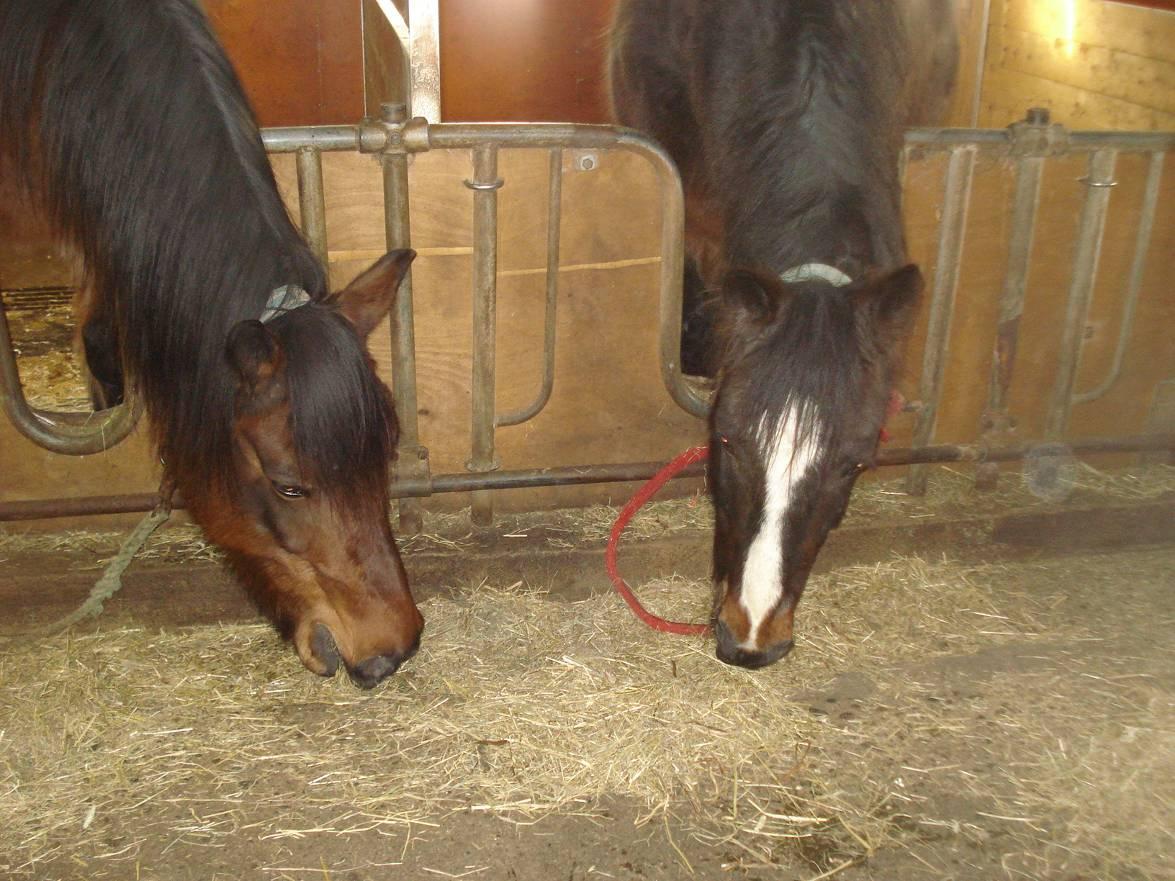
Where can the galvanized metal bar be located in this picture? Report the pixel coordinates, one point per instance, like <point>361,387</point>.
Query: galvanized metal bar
<point>1079,141</point>
<point>578,136</point>
<point>554,206</point>
<point>1025,202</point>
<point>71,434</point>
<point>325,138</point>
<point>691,397</point>
<point>575,475</point>
<point>416,136</point>
<point>312,200</point>
<point>956,195</point>
<point>1091,229</point>
<point>485,185</point>
<point>1146,225</point>
<point>411,457</point>
<point>424,59</point>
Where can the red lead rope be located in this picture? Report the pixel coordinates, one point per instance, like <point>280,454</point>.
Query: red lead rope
<point>646,492</point>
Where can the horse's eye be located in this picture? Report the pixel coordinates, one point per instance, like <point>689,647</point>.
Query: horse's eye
<point>856,469</point>
<point>290,491</point>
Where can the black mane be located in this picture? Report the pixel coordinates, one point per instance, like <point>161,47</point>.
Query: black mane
<point>804,95</point>
<point>126,116</point>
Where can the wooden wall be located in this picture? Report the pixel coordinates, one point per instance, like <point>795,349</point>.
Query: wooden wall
<point>1095,64</point>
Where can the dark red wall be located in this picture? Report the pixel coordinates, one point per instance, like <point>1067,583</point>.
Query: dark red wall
<point>302,62</point>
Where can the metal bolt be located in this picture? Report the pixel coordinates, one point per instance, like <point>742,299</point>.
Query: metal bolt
<point>586,161</point>
<point>1037,116</point>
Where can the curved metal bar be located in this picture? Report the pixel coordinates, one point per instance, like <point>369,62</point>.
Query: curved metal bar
<point>956,197</point>
<point>72,434</point>
<point>554,205</point>
<point>693,399</point>
<point>1090,234</point>
<point>485,311</point>
<point>1146,225</point>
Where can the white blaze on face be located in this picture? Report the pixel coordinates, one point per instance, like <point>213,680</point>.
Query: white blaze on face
<point>785,463</point>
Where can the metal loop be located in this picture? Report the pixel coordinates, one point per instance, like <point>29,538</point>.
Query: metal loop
<point>1097,183</point>
<point>494,185</point>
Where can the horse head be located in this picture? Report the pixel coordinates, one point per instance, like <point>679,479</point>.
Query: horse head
<point>805,372</point>
<point>304,512</point>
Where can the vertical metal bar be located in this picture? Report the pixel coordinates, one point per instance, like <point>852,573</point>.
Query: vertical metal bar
<point>312,200</point>
<point>424,59</point>
<point>554,204</point>
<point>956,196</point>
<point>411,458</point>
<point>684,394</point>
<point>1146,225</point>
<point>1025,202</point>
<point>1089,245</point>
<point>485,185</point>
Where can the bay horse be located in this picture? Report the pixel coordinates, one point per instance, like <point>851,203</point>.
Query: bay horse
<point>785,118</point>
<point>126,122</point>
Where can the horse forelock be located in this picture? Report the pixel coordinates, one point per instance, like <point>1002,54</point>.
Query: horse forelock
<point>130,121</point>
<point>341,416</point>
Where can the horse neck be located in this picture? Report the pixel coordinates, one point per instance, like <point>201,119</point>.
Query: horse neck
<point>812,173</point>
<point>179,219</point>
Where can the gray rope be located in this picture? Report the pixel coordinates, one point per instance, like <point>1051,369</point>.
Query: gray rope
<point>111,581</point>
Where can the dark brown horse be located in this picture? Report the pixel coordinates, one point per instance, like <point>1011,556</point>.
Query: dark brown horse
<point>126,121</point>
<point>785,118</point>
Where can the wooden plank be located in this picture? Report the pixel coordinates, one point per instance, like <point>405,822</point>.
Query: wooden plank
<point>1007,94</point>
<point>1146,82</point>
<point>300,61</point>
<point>1148,33</point>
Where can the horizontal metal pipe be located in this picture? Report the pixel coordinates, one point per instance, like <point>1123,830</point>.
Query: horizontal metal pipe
<point>1075,142</point>
<point>574,135</point>
<point>575,475</point>
<point>328,138</point>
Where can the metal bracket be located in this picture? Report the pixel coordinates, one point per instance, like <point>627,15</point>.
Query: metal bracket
<point>1036,136</point>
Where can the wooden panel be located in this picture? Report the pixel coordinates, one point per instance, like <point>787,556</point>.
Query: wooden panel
<point>1095,64</point>
<point>971,20</point>
<point>301,61</point>
<point>524,60</point>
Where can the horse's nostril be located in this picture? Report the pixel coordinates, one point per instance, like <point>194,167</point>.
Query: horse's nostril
<point>374,670</point>
<point>730,652</point>
<point>322,643</point>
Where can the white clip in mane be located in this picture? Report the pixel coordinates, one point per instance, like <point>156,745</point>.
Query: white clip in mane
<point>816,272</point>
<point>285,299</point>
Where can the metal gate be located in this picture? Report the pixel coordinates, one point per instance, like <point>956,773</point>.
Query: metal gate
<point>393,138</point>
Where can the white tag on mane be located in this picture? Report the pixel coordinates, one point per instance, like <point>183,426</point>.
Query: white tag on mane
<point>285,299</point>
<point>816,272</point>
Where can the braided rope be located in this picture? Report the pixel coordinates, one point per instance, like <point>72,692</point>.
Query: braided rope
<point>111,580</point>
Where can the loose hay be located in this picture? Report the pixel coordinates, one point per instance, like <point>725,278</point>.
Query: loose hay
<point>518,704</point>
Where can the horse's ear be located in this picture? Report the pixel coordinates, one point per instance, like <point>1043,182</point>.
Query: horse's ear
<point>366,300</point>
<point>254,354</point>
<point>893,301</point>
